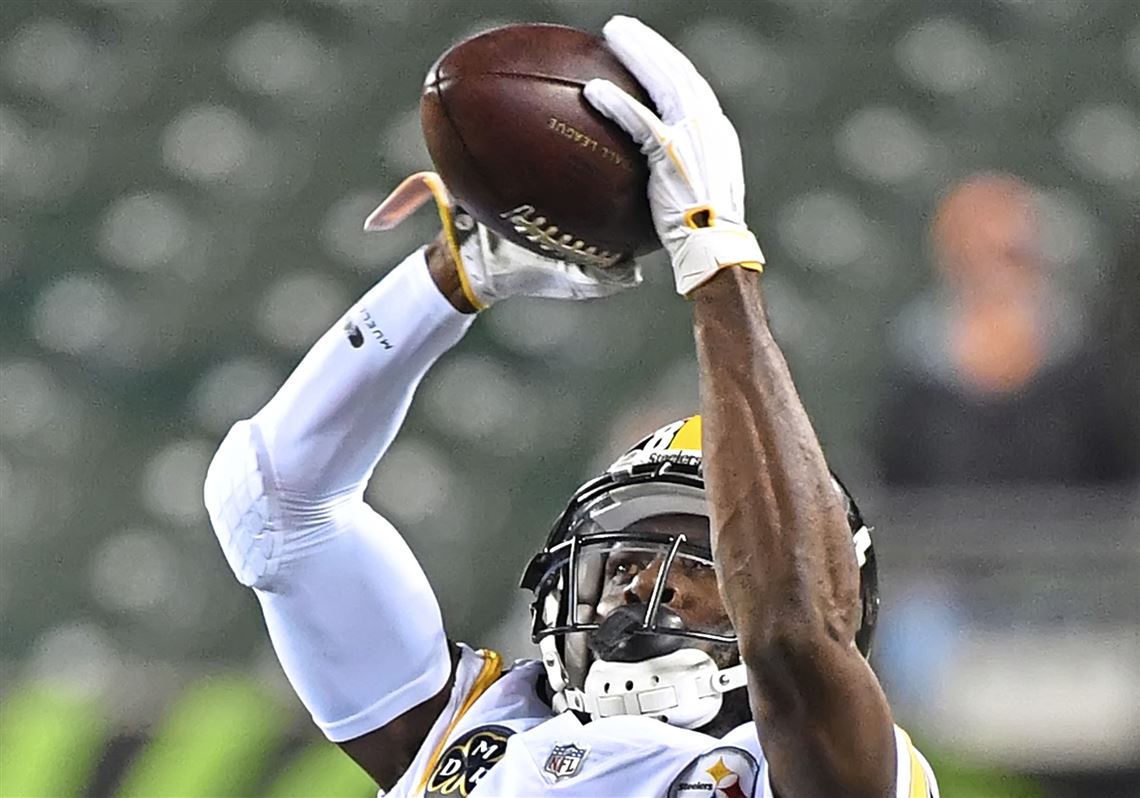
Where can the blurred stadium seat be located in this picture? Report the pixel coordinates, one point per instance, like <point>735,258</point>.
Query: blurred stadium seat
<point>183,185</point>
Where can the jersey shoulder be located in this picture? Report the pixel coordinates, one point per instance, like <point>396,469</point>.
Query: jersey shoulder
<point>499,736</point>
<point>914,777</point>
<point>489,703</point>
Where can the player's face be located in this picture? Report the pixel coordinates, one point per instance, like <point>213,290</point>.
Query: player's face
<point>691,591</point>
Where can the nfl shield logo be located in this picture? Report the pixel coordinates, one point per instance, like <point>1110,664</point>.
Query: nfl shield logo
<point>564,761</point>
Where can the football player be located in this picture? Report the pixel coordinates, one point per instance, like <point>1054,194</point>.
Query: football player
<point>703,609</point>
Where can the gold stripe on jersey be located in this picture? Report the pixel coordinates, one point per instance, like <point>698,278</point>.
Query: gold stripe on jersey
<point>918,786</point>
<point>492,669</point>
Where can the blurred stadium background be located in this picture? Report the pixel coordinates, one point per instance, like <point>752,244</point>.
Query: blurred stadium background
<point>183,187</point>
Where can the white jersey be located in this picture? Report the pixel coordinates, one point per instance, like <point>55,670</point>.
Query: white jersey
<point>498,737</point>
<point>354,621</point>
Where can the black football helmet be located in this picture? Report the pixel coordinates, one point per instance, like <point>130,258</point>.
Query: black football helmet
<point>662,674</point>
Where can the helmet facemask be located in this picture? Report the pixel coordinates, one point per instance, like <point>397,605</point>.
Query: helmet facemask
<point>602,613</point>
<point>655,656</point>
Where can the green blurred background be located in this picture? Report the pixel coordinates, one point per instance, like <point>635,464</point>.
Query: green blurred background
<point>183,187</point>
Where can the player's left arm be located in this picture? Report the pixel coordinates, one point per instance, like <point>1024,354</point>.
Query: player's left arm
<point>783,550</point>
<point>785,560</point>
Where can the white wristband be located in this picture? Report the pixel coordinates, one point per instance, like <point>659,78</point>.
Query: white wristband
<point>707,250</point>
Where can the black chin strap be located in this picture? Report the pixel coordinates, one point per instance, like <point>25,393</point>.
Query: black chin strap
<point>622,636</point>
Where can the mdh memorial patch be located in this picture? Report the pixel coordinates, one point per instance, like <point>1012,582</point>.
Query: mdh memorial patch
<point>467,760</point>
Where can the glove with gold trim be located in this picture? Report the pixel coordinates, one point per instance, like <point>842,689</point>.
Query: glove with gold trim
<point>490,267</point>
<point>696,177</point>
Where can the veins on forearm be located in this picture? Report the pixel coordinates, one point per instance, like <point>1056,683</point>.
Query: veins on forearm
<point>780,535</point>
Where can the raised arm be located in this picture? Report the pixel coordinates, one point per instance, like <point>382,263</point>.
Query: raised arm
<point>783,550</point>
<point>349,611</point>
<point>786,563</point>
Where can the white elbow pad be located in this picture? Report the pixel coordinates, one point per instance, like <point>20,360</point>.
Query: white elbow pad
<point>238,499</point>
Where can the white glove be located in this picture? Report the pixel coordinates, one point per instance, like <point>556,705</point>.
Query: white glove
<point>696,176</point>
<point>490,267</point>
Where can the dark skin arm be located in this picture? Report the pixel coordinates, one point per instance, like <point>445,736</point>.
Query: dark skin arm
<point>445,274</point>
<point>387,752</point>
<point>785,561</point>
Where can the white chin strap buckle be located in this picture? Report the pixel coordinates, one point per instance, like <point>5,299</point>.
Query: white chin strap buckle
<point>684,688</point>
<point>730,679</point>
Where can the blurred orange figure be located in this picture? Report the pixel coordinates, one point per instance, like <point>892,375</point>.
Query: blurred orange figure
<point>993,379</point>
<point>985,234</point>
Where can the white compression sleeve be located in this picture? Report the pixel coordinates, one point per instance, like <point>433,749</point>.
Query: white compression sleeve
<point>334,417</point>
<point>350,613</point>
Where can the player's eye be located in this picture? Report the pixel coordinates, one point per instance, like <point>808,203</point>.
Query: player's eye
<point>624,568</point>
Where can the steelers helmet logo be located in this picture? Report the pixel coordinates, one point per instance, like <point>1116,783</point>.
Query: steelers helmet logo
<point>467,760</point>
<point>679,442</point>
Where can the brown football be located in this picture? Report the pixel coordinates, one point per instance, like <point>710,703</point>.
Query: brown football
<point>520,148</point>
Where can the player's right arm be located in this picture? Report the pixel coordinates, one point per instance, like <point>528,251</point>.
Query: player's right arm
<point>350,613</point>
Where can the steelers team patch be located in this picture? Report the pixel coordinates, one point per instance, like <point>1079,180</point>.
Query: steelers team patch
<point>467,760</point>
<point>726,772</point>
